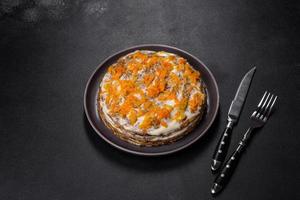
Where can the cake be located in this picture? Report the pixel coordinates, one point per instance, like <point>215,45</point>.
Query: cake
<point>151,98</point>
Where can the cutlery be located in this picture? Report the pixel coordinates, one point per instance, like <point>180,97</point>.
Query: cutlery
<point>232,118</point>
<point>257,120</point>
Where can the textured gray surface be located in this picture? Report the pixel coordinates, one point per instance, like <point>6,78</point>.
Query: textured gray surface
<point>49,48</point>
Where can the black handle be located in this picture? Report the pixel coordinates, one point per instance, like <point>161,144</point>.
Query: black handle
<point>228,169</point>
<point>221,148</point>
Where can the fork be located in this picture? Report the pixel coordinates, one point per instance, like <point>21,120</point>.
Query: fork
<point>257,120</point>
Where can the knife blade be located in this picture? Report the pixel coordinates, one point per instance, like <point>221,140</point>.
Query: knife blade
<point>232,118</point>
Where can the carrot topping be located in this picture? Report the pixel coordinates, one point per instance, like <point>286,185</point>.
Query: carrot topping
<point>139,85</point>
<point>164,124</point>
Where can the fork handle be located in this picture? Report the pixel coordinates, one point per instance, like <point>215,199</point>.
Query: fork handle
<point>228,169</point>
<point>221,148</point>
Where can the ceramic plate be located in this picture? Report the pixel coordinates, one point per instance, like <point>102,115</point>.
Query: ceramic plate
<point>90,104</point>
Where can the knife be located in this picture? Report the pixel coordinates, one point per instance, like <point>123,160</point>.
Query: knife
<point>232,118</point>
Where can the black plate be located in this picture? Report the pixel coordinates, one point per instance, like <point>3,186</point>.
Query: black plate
<point>90,104</point>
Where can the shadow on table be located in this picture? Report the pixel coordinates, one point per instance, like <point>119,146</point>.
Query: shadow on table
<point>141,163</point>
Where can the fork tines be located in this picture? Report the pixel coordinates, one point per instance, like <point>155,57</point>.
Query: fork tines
<point>265,106</point>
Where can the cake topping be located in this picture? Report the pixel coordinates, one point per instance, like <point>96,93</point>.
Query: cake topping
<point>149,90</point>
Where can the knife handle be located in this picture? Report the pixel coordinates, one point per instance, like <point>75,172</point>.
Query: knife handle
<point>221,148</point>
<point>228,169</point>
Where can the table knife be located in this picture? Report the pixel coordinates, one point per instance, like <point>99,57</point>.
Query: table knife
<point>232,118</point>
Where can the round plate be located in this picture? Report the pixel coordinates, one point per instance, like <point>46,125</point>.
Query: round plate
<point>90,104</point>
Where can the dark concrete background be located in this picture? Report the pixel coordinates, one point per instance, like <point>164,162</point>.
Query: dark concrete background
<point>48,50</point>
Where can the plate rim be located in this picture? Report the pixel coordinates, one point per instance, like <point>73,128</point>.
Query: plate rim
<point>151,153</point>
